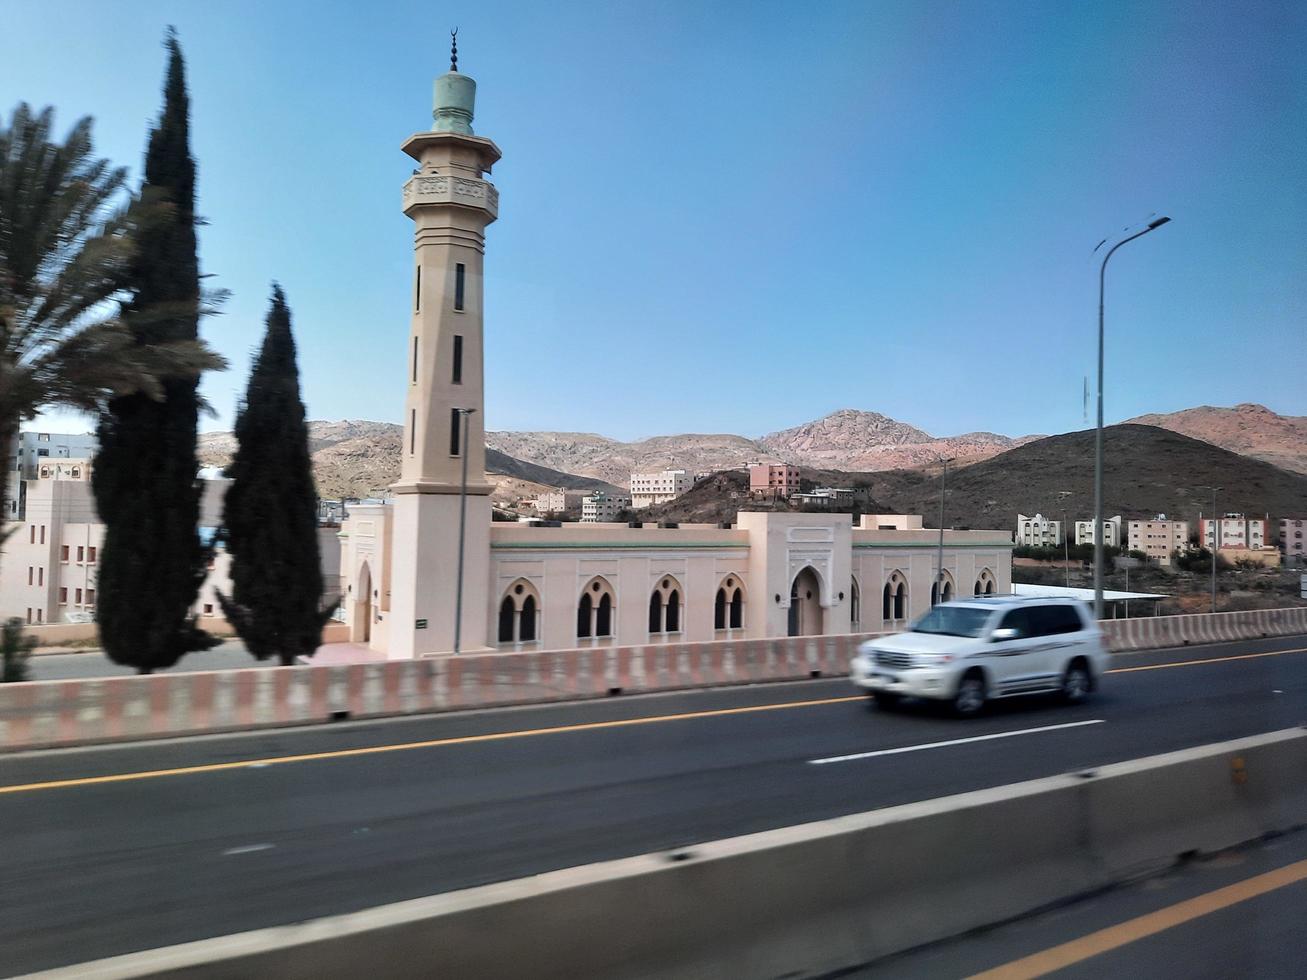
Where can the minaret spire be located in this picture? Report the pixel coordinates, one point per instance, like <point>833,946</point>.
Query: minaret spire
<point>453,50</point>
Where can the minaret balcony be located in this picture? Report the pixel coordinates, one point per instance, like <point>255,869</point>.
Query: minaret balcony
<point>460,191</point>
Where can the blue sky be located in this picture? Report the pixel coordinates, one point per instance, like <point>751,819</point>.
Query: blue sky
<point>735,217</point>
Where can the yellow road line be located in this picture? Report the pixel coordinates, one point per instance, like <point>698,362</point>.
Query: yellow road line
<point>1210,660</point>
<point>430,743</point>
<point>1114,937</point>
<point>526,733</point>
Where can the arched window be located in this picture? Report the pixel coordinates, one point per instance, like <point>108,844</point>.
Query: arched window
<point>517,614</point>
<point>728,612</point>
<point>985,583</point>
<point>936,595</point>
<point>896,597</point>
<point>855,605</point>
<point>594,610</point>
<point>665,606</point>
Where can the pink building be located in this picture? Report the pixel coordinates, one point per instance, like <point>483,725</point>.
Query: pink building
<point>774,479</point>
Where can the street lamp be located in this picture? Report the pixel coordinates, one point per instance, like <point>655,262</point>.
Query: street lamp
<point>466,413</point>
<point>1098,432</point>
<point>1066,540</point>
<point>1216,538</point>
<point>939,573</point>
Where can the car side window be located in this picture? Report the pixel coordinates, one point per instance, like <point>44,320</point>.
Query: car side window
<point>1068,619</point>
<point>1019,620</point>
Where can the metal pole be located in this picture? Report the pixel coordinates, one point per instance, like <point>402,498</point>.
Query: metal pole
<point>1098,431</point>
<point>1216,541</point>
<point>1066,551</point>
<point>939,572</point>
<point>462,525</point>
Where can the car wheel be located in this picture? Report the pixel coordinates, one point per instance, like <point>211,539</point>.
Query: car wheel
<point>970,697</point>
<point>885,700</point>
<point>1075,684</point>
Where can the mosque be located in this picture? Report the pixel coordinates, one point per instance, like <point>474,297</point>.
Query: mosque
<point>428,572</point>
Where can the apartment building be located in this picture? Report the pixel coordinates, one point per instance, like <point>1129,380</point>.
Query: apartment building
<point>828,498</point>
<point>1038,531</point>
<point>599,507</point>
<point>560,502</point>
<point>1111,532</point>
<point>773,479</point>
<point>1158,538</point>
<point>1293,539</point>
<point>658,488</point>
<point>25,454</point>
<point>1234,531</point>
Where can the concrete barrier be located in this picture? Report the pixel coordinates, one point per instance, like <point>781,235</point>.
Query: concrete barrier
<point>797,901</point>
<point>76,712</point>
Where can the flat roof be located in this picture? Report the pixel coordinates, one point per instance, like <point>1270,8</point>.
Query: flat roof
<point>1062,591</point>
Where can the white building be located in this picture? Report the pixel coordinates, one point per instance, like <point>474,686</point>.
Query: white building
<point>1234,531</point>
<point>658,488</point>
<point>1292,541</point>
<point>1111,532</point>
<point>560,502</point>
<point>596,583</point>
<point>1159,538</point>
<point>1038,531</point>
<point>600,506</point>
<point>26,453</point>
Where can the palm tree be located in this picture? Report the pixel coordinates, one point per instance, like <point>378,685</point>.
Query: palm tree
<point>67,227</point>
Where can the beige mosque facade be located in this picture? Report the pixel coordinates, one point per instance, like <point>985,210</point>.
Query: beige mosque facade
<point>586,584</point>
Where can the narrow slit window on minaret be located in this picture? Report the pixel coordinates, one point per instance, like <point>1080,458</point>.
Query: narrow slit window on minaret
<point>453,431</point>
<point>458,360</point>
<point>415,360</point>
<point>458,287</point>
<point>417,290</point>
<point>412,431</point>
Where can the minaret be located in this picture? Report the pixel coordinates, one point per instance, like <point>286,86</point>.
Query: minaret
<point>450,205</point>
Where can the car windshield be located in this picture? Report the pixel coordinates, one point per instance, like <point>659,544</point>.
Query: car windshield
<point>953,621</point>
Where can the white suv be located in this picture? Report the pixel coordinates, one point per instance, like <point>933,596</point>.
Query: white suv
<point>973,650</point>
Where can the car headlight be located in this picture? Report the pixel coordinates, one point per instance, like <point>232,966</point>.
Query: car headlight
<point>932,659</point>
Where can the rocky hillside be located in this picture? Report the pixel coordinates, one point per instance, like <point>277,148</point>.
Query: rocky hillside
<point>854,440</point>
<point>361,459</point>
<point>1148,471</point>
<point>1253,430</point>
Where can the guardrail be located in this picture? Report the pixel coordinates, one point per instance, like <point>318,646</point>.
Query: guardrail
<point>798,901</point>
<point>74,712</point>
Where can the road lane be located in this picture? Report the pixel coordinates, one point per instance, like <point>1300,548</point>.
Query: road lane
<point>102,868</point>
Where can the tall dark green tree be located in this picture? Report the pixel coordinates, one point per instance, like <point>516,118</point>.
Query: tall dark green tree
<point>146,475</point>
<point>270,521</point>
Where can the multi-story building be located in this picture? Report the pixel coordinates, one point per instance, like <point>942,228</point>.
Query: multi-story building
<point>1038,531</point>
<point>1293,543</point>
<point>657,488</point>
<point>1111,532</point>
<point>773,479</point>
<point>1233,531</point>
<point>827,498</point>
<point>1158,538</point>
<point>560,502</point>
<point>600,507</point>
<point>27,452</point>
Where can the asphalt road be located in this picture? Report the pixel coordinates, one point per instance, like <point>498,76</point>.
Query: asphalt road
<point>229,655</point>
<point>110,860</point>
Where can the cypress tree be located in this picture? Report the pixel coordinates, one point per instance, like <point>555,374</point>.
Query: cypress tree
<point>270,523</point>
<point>146,475</point>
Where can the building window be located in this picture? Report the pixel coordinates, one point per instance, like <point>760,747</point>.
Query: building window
<point>90,597</point>
<point>895,598</point>
<point>40,615</point>
<point>855,605</point>
<point>40,575</point>
<point>63,594</point>
<point>90,554</point>
<point>594,610</point>
<point>458,287</point>
<point>417,290</point>
<point>518,614</point>
<point>458,359</point>
<point>81,553</point>
<point>412,430</point>
<point>31,537</point>
<point>208,609</point>
<point>29,615</point>
<point>665,607</point>
<point>78,600</point>
<point>415,360</point>
<point>455,431</point>
<point>31,572</point>
<point>42,534</point>
<point>63,553</point>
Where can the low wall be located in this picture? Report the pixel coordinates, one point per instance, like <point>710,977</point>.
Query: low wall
<point>51,713</point>
<point>797,901</point>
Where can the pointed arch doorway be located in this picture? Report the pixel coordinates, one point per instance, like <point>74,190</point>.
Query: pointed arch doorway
<point>806,614</point>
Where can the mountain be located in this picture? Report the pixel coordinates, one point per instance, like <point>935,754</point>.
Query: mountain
<point>361,459</point>
<point>846,440</point>
<point>1148,470</point>
<point>854,440</point>
<point>1251,429</point>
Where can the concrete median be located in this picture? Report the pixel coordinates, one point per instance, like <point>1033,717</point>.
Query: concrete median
<point>801,900</point>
